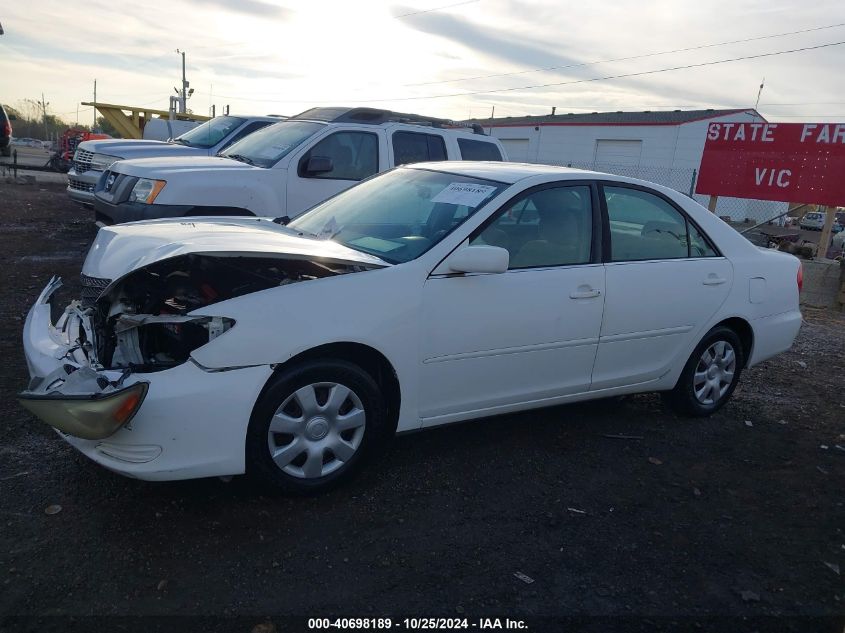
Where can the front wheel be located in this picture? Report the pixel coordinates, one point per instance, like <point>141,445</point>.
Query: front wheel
<point>711,374</point>
<point>314,426</point>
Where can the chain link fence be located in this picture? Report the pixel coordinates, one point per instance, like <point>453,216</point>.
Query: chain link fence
<point>737,210</point>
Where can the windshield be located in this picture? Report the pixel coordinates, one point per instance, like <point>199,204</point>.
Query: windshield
<point>265,147</point>
<point>399,215</point>
<point>210,133</point>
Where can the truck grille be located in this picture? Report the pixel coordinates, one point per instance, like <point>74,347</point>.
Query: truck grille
<point>78,185</point>
<point>92,288</point>
<point>82,160</point>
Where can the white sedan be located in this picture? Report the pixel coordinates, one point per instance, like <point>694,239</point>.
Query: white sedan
<point>430,294</point>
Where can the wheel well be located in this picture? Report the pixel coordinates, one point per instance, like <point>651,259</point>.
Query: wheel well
<point>744,332</point>
<point>367,358</point>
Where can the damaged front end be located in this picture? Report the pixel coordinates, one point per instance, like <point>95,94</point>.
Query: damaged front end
<point>87,367</point>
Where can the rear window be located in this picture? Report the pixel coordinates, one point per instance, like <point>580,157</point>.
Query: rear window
<point>416,147</point>
<point>472,149</point>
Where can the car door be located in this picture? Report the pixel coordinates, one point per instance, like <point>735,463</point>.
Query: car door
<point>354,155</point>
<point>664,279</point>
<point>530,334</point>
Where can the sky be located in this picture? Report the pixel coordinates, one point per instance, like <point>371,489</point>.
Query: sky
<point>448,58</point>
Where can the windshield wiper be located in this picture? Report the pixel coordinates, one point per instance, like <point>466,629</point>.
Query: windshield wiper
<point>284,220</point>
<point>239,157</point>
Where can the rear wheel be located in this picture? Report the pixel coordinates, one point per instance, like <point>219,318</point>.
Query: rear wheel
<point>711,374</point>
<point>314,426</point>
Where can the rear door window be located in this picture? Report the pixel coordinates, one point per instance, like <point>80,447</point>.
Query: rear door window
<point>472,149</point>
<point>416,147</point>
<point>644,226</point>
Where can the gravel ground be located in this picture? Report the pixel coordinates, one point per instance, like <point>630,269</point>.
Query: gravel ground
<point>733,517</point>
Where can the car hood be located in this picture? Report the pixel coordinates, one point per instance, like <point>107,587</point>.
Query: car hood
<point>163,166</point>
<point>120,249</point>
<point>130,148</point>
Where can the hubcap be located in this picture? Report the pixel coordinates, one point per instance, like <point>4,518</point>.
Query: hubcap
<point>316,430</point>
<point>714,372</point>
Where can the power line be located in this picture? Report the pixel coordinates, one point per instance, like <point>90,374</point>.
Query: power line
<point>547,85</point>
<point>622,59</point>
<point>608,77</point>
<point>804,104</point>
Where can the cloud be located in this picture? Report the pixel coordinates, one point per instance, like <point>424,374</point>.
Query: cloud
<point>255,8</point>
<point>507,46</point>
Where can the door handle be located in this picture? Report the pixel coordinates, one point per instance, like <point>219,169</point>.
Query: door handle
<point>584,292</point>
<point>712,280</point>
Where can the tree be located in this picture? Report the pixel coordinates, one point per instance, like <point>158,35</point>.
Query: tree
<point>107,128</point>
<point>31,122</point>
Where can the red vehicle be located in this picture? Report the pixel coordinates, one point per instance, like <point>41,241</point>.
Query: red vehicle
<point>62,158</point>
<point>5,133</point>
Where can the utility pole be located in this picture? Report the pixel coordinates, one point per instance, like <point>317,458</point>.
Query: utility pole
<point>44,105</point>
<point>759,92</point>
<point>183,95</point>
<point>94,124</point>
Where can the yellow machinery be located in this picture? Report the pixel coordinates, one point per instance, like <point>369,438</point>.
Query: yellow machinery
<point>130,120</point>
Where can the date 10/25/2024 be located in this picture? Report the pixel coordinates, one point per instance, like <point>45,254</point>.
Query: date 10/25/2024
<point>416,624</point>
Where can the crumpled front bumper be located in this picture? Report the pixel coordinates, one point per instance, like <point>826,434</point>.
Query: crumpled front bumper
<point>189,422</point>
<point>65,390</point>
<point>47,345</point>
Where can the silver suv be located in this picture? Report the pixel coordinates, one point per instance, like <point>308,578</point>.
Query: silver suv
<point>92,158</point>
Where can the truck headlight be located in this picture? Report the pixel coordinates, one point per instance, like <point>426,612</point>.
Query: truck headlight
<point>101,162</point>
<point>146,190</point>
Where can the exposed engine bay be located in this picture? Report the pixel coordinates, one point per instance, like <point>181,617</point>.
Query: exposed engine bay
<point>142,323</point>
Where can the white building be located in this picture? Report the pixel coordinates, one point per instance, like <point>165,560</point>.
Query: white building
<point>663,147</point>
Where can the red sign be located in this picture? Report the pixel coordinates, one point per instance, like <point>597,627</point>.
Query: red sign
<point>787,162</point>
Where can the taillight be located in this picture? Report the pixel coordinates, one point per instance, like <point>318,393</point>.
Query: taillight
<point>800,276</point>
<point>7,128</point>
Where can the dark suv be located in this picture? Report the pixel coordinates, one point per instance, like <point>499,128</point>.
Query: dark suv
<point>5,133</point>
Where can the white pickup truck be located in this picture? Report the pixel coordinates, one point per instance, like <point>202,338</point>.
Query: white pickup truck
<point>286,168</point>
<point>93,157</point>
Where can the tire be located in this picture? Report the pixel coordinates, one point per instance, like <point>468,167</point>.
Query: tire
<point>702,388</point>
<point>328,417</point>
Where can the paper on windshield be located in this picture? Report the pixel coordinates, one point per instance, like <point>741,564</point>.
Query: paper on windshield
<point>464,193</point>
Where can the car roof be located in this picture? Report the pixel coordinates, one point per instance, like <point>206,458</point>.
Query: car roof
<point>509,173</point>
<point>405,126</point>
<point>260,117</point>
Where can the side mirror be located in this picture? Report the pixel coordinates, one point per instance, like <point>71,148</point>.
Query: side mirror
<point>318,165</point>
<point>479,259</point>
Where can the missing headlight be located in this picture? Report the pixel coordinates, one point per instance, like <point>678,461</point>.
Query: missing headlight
<point>147,321</point>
